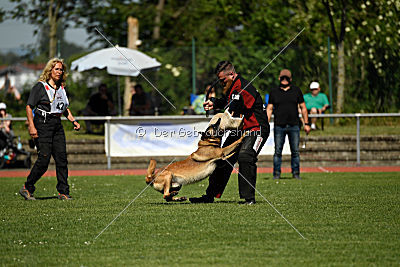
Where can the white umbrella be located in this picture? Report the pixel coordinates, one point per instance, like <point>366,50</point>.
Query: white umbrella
<point>119,61</point>
<point>115,62</point>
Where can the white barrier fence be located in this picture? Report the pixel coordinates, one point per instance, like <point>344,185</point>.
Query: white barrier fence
<point>177,135</point>
<point>173,138</point>
<point>161,136</point>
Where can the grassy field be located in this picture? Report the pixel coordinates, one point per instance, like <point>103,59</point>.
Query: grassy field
<point>347,218</point>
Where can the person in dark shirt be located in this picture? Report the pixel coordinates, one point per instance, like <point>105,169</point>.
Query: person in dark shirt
<point>7,84</point>
<point>49,101</point>
<point>100,104</point>
<point>140,102</point>
<point>242,99</point>
<point>284,101</point>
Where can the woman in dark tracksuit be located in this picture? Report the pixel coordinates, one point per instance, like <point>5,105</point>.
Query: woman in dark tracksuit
<point>242,99</point>
<point>49,101</point>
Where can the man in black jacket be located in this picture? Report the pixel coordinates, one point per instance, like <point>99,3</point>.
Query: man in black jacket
<point>284,101</point>
<point>243,100</point>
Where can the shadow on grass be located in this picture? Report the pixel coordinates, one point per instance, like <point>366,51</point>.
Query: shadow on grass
<point>189,203</point>
<point>170,203</point>
<point>281,178</point>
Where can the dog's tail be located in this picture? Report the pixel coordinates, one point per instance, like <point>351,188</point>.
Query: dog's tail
<point>150,171</point>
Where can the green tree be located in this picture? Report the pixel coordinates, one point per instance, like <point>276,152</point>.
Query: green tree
<point>339,10</point>
<point>2,15</point>
<point>247,32</point>
<point>369,37</point>
<point>251,33</point>
<point>374,54</point>
<point>46,12</point>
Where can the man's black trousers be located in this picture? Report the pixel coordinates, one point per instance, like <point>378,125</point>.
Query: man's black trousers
<point>246,156</point>
<point>51,142</point>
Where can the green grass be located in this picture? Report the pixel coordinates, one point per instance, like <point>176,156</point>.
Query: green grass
<point>347,218</point>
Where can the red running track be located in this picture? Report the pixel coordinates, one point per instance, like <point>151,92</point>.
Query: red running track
<point>52,173</point>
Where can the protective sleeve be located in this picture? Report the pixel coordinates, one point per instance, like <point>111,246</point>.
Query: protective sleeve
<point>219,103</point>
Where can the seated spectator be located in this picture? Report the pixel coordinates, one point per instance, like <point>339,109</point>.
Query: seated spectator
<point>200,99</point>
<point>6,132</point>
<point>316,102</point>
<point>100,104</point>
<point>140,103</point>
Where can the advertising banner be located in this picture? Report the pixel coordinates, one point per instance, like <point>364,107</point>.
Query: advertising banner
<point>164,139</point>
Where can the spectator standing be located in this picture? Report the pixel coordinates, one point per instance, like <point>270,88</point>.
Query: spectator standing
<point>14,93</point>
<point>7,84</point>
<point>48,99</point>
<point>283,103</point>
<point>9,89</point>
<point>6,132</point>
<point>316,102</point>
<point>140,102</point>
<point>100,104</point>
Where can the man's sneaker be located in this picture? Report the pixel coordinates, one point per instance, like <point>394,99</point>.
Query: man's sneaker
<point>202,199</point>
<point>248,202</point>
<point>297,176</point>
<point>64,197</point>
<point>276,177</point>
<point>26,194</point>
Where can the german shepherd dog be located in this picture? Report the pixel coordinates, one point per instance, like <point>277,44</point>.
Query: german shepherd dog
<point>200,164</point>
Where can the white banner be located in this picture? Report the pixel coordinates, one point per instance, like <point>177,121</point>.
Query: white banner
<point>165,139</point>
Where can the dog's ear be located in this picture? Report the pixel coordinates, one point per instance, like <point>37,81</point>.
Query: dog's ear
<point>206,134</point>
<point>216,125</point>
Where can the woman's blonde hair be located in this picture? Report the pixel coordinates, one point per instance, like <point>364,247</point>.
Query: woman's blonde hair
<point>46,74</point>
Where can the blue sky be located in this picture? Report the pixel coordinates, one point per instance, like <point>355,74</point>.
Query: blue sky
<point>14,33</point>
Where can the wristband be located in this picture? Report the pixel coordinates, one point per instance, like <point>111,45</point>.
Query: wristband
<point>73,122</point>
<point>307,123</point>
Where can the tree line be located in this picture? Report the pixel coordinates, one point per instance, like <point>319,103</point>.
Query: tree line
<point>365,41</point>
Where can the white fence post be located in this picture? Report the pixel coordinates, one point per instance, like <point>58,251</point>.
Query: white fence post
<point>358,137</point>
<point>108,122</point>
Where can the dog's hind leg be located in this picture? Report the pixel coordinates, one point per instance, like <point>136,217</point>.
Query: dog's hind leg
<point>150,171</point>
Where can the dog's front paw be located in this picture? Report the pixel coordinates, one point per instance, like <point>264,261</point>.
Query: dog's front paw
<point>175,199</point>
<point>168,198</point>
